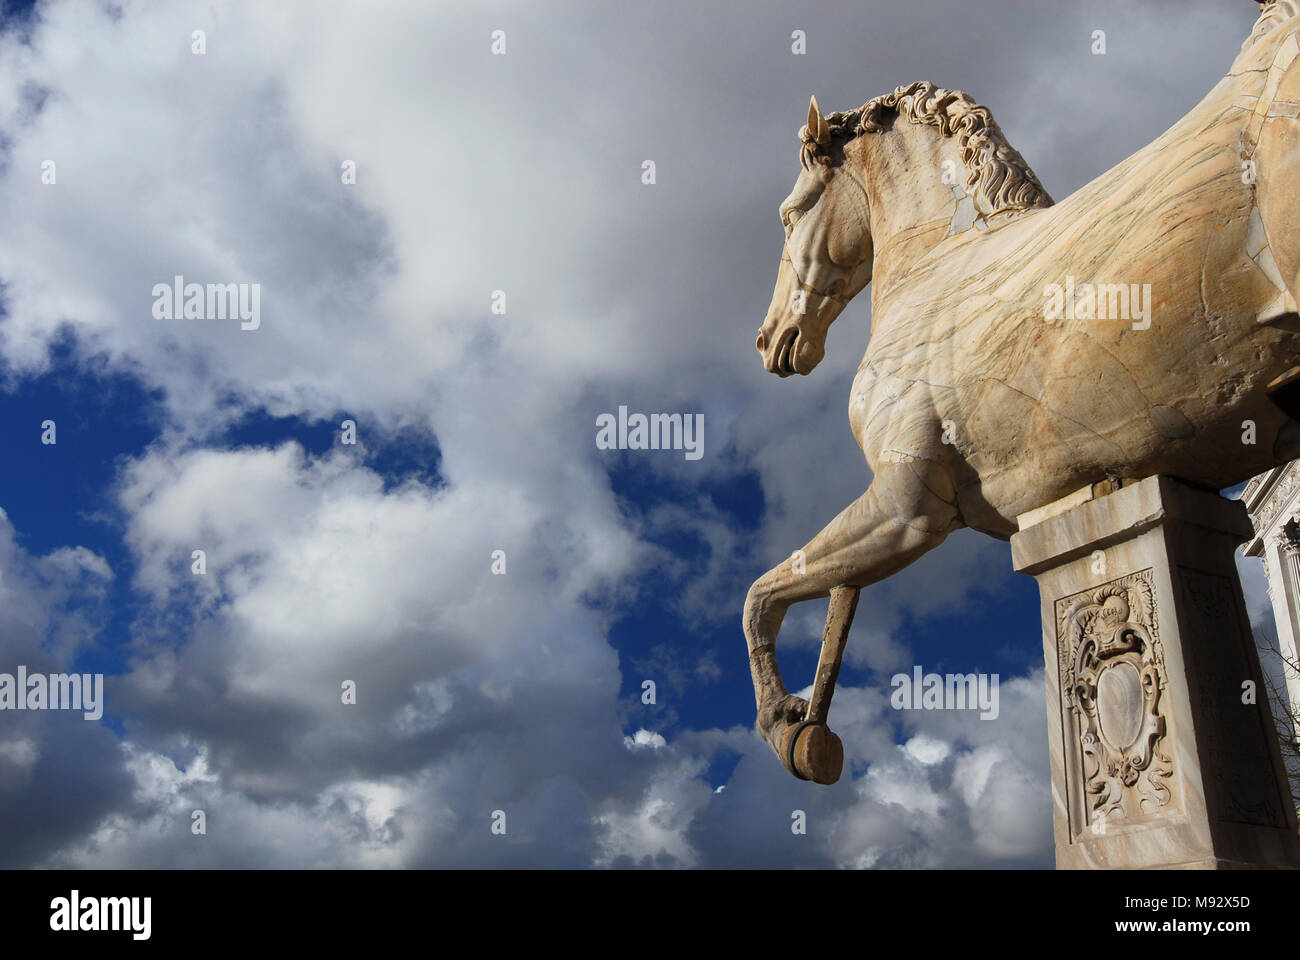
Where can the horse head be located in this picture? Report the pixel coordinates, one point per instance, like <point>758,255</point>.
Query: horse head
<point>827,256</point>
<point>867,207</point>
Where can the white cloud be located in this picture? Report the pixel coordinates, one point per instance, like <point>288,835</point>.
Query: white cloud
<point>645,738</point>
<point>927,749</point>
<point>21,752</point>
<point>654,829</point>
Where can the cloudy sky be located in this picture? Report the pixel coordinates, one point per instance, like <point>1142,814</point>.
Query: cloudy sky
<point>329,562</point>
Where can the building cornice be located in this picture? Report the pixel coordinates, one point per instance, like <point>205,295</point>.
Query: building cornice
<point>1266,497</point>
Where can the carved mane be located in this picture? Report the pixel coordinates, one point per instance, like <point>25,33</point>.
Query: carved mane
<point>996,175</point>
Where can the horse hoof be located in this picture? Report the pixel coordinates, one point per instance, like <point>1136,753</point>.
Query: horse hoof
<point>812,752</point>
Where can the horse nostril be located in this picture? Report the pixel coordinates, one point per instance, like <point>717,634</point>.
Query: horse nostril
<point>761,342</point>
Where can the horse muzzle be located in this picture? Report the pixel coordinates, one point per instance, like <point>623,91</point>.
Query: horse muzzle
<point>789,351</point>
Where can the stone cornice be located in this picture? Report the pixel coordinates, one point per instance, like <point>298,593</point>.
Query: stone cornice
<point>1266,497</point>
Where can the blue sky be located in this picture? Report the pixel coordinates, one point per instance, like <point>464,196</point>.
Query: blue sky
<point>372,563</point>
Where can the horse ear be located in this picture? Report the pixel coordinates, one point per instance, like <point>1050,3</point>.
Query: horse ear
<point>817,126</point>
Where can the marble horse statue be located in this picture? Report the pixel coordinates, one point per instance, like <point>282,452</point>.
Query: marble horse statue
<point>1022,348</point>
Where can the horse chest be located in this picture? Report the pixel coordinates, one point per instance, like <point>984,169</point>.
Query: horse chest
<point>891,415</point>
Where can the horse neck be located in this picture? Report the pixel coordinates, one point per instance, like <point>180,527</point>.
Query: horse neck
<point>1260,48</point>
<point>912,207</point>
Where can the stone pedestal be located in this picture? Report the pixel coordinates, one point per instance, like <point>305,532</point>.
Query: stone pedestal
<point>1159,757</point>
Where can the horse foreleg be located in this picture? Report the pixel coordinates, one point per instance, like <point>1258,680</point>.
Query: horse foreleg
<point>907,511</point>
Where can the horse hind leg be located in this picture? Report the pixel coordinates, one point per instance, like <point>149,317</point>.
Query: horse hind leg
<point>1274,234</point>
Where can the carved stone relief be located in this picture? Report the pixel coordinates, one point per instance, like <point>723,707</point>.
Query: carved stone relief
<point>1112,688</point>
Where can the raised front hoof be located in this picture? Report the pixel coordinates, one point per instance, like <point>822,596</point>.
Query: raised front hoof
<point>811,751</point>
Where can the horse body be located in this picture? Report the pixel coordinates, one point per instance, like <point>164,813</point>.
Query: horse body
<point>964,335</point>
<point>976,401</point>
